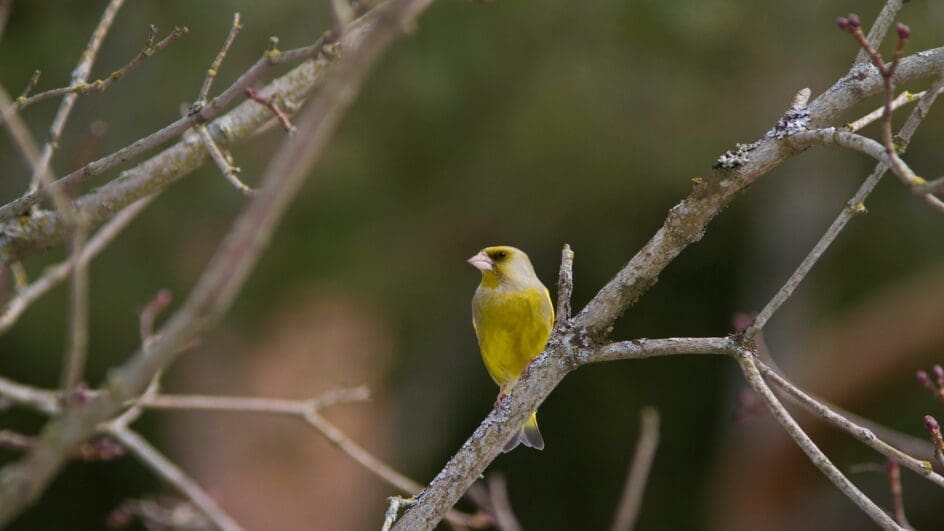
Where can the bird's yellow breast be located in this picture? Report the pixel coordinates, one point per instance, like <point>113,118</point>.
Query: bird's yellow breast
<point>512,328</point>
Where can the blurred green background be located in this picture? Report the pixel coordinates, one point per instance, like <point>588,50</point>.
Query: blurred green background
<point>526,123</point>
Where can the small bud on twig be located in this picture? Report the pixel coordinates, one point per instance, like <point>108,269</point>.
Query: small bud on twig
<point>931,424</point>
<point>903,31</point>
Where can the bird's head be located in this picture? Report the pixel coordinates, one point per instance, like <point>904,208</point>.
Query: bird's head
<point>503,264</point>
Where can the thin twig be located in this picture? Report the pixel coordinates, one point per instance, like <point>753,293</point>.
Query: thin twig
<point>150,312</point>
<point>903,99</point>
<point>171,473</point>
<point>342,13</point>
<point>359,454</point>
<point>229,171</point>
<point>898,499</point>
<point>505,519</point>
<point>218,61</point>
<point>630,503</point>
<point>565,287</point>
<point>101,85</point>
<point>20,278</point>
<point>751,373</point>
<point>77,350</point>
<point>394,504</point>
<point>272,105</point>
<point>39,399</point>
<point>30,85</point>
<point>931,187</point>
<point>236,404</point>
<point>159,514</point>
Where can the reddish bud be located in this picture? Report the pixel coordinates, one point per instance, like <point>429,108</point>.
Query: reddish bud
<point>81,395</point>
<point>854,21</point>
<point>931,423</point>
<point>842,22</point>
<point>923,378</point>
<point>938,374</point>
<point>903,31</point>
<point>107,449</point>
<point>163,297</point>
<point>120,517</point>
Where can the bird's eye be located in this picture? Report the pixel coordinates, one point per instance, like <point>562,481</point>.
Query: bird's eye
<point>499,255</point>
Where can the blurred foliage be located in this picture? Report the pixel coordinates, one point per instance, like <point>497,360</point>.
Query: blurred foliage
<point>526,123</point>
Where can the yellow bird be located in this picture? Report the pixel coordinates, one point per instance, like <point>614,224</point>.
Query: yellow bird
<point>513,317</point>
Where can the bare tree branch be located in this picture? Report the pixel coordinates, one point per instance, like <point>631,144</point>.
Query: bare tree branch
<point>218,61</point>
<point>748,366</point>
<point>576,341</point>
<point>853,207</point>
<point>23,481</point>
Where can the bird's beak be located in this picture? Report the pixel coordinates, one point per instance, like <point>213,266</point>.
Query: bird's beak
<point>482,262</point>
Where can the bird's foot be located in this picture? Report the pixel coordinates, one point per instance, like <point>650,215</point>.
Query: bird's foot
<point>500,397</point>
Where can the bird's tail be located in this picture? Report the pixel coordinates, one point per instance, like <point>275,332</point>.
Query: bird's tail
<point>529,435</point>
